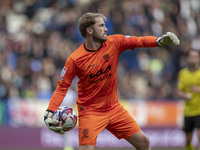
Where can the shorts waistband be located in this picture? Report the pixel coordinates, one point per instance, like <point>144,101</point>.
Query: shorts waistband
<point>82,108</point>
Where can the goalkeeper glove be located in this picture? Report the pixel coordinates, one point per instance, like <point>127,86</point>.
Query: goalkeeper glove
<point>167,39</point>
<point>51,124</point>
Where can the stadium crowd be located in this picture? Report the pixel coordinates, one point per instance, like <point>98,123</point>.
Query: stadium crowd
<point>37,36</point>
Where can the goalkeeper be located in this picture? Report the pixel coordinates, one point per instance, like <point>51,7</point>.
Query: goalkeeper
<point>95,63</point>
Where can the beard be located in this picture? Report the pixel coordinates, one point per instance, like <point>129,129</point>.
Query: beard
<point>98,38</point>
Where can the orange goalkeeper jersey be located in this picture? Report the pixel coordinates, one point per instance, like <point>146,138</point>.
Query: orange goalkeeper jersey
<point>97,72</point>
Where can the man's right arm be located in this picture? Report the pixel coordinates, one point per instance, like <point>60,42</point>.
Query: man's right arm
<point>67,75</point>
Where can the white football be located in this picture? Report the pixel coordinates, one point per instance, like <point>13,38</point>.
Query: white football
<point>66,117</point>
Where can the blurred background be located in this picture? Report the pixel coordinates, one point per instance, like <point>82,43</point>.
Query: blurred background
<point>36,38</point>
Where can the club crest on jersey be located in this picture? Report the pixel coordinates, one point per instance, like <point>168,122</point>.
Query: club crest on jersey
<point>106,57</point>
<point>63,72</point>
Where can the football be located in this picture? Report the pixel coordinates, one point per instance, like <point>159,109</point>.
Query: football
<point>66,117</point>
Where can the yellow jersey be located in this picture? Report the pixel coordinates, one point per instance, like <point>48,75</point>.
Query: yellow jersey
<point>186,79</point>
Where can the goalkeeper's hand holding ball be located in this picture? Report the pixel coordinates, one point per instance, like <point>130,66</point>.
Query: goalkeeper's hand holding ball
<point>52,124</point>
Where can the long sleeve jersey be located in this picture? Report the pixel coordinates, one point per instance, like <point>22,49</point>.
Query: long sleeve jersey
<point>97,72</point>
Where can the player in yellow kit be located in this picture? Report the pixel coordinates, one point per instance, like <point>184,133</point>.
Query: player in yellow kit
<point>95,63</point>
<point>189,90</point>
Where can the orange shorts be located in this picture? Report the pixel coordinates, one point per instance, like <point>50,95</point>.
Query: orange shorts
<point>117,120</point>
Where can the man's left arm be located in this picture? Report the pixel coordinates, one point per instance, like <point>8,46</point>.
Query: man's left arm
<point>150,41</point>
<point>132,42</point>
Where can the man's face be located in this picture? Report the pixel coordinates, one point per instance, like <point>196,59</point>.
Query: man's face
<point>193,58</point>
<point>99,30</point>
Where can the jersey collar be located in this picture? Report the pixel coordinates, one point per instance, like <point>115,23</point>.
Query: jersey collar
<point>93,50</point>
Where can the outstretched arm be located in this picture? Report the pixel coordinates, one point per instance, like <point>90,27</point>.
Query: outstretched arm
<point>150,41</point>
<point>132,42</point>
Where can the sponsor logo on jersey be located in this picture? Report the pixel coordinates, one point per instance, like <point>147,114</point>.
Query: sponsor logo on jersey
<point>101,79</point>
<point>100,72</point>
<point>63,72</point>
